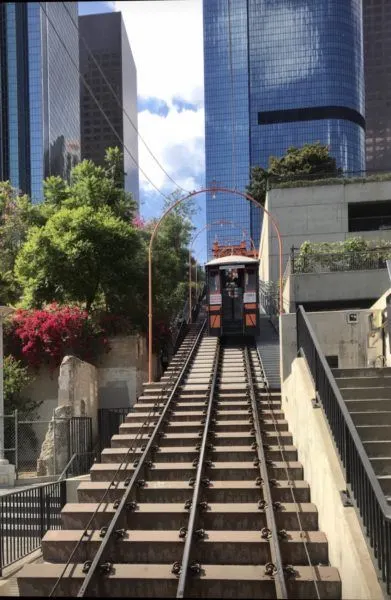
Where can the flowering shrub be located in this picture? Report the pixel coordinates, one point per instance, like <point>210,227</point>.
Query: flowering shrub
<point>45,336</point>
<point>138,222</point>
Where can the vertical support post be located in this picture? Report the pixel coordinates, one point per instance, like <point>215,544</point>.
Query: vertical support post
<point>190,299</point>
<point>41,511</point>
<point>16,441</point>
<point>292,259</point>
<point>2,459</point>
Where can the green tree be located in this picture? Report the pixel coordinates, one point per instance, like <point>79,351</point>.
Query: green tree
<point>16,379</point>
<point>311,161</point>
<point>81,255</point>
<point>17,214</point>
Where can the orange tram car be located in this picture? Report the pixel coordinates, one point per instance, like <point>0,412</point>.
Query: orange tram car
<point>232,294</point>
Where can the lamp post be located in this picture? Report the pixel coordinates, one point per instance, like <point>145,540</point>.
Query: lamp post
<point>7,471</point>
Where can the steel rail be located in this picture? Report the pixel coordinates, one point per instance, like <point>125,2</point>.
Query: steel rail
<point>285,461</point>
<point>281,591</point>
<point>197,486</point>
<point>141,464</point>
<point>129,457</point>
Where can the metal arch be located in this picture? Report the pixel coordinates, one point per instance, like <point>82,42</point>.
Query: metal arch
<point>155,230</point>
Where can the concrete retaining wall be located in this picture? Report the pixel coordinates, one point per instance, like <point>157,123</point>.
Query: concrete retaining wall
<point>120,374</point>
<point>348,551</point>
<point>356,344</point>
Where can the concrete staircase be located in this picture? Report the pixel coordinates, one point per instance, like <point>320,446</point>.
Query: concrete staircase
<point>233,551</point>
<point>367,394</point>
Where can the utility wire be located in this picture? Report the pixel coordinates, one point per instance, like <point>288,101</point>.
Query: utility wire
<point>91,54</point>
<point>100,107</point>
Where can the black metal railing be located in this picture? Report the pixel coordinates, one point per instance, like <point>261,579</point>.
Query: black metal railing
<point>269,298</point>
<point>25,517</point>
<point>109,420</point>
<point>330,262</point>
<point>360,476</point>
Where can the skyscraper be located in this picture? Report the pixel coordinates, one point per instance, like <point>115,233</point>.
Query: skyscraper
<point>39,97</point>
<point>278,73</point>
<point>377,63</point>
<point>106,38</point>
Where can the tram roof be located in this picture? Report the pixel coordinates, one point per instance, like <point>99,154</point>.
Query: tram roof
<point>234,259</point>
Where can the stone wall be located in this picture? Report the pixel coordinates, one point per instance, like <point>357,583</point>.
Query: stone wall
<point>120,375</point>
<point>77,397</point>
<point>122,371</point>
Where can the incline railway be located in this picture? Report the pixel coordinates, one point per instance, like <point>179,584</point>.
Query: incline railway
<point>199,495</point>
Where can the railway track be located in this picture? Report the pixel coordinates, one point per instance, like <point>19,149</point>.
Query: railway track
<point>200,495</point>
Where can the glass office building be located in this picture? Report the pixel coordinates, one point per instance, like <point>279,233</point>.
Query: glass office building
<point>377,64</point>
<point>40,105</point>
<point>278,73</point>
<point>106,39</point>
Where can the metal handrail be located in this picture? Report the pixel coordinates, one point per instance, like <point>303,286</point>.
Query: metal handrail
<point>65,470</point>
<point>275,551</point>
<point>346,415</point>
<point>368,494</point>
<point>122,504</point>
<point>197,486</point>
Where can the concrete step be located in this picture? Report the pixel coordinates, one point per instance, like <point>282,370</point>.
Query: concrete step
<point>363,372</point>
<point>171,471</point>
<point>187,439</point>
<point>158,581</point>
<point>381,465</point>
<point>240,517</point>
<point>366,393</point>
<point>377,449</point>
<point>180,491</point>
<point>369,433</point>
<point>363,382</point>
<point>226,547</point>
<point>372,418</point>
<point>385,484</point>
<point>189,453</point>
<point>369,405</point>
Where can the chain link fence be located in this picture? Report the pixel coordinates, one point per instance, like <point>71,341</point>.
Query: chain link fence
<point>43,448</point>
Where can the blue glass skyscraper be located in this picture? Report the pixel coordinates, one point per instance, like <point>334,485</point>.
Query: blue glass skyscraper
<point>278,73</point>
<point>40,93</point>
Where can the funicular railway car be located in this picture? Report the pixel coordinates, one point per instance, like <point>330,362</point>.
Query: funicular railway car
<point>232,295</point>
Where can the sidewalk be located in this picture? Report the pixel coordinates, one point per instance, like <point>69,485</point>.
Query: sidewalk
<point>9,582</point>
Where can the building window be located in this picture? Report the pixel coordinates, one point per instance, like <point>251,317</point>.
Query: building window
<point>369,216</point>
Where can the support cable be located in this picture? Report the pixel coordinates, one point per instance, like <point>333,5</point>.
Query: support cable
<point>130,457</point>
<point>281,591</point>
<point>100,107</point>
<point>285,462</point>
<point>91,54</point>
<point>197,486</point>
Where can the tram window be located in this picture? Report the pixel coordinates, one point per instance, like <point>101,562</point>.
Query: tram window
<point>250,280</point>
<point>214,282</point>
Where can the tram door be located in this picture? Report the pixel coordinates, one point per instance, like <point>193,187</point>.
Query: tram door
<point>232,280</point>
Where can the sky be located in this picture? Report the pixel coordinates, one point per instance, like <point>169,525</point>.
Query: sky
<point>167,45</point>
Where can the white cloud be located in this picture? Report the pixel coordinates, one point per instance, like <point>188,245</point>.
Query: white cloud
<point>108,4</point>
<point>167,45</point>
